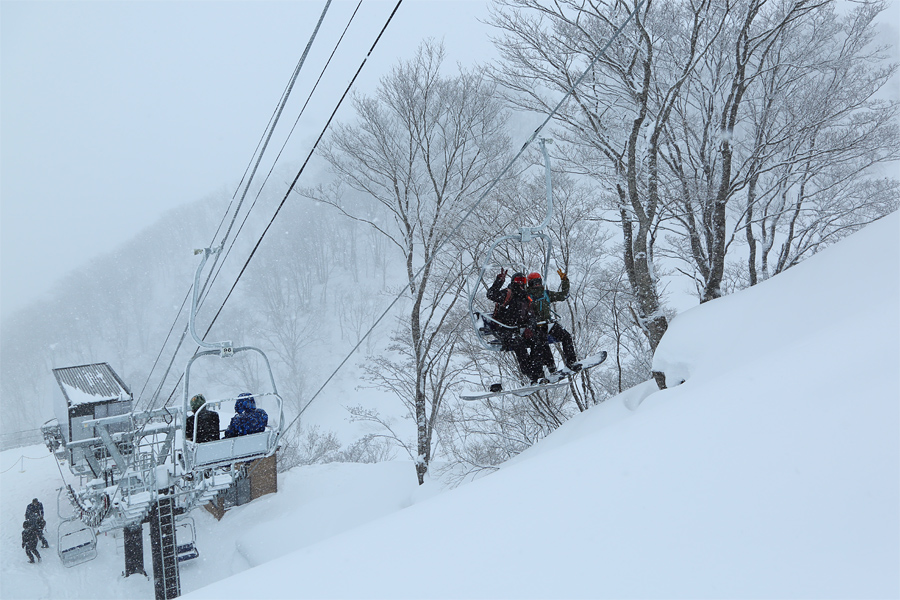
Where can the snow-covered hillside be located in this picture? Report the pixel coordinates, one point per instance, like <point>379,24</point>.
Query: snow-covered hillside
<point>772,471</point>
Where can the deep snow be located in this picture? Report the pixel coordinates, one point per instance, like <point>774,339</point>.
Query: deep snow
<point>773,471</point>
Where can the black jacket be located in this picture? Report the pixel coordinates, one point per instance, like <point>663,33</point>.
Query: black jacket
<point>207,429</point>
<point>34,512</point>
<point>34,516</point>
<point>29,536</point>
<point>514,307</point>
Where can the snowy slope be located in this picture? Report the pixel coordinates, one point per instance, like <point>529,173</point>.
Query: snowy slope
<point>773,471</point>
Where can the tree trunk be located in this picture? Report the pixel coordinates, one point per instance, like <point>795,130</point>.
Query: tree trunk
<point>423,449</point>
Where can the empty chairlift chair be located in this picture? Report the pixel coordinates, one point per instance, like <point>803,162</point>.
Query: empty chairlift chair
<point>186,540</point>
<point>77,543</point>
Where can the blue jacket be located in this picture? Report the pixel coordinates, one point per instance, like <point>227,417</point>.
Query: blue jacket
<point>248,419</point>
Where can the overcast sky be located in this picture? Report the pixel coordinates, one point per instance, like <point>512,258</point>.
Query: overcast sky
<point>115,112</point>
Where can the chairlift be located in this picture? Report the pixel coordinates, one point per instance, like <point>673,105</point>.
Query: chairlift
<point>76,542</point>
<point>185,540</point>
<point>480,311</point>
<point>200,456</point>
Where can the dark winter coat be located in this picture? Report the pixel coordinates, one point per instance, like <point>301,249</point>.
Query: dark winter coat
<point>34,516</point>
<point>542,298</point>
<point>248,419</point>
<point>207,429</point>
<point>513,304</point>
<point>34,512</point>
<point>29,536</point>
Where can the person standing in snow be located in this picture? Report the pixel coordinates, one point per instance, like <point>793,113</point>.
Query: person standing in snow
<point>541,300</point>
<point>513,309</point>
<point>34,516</point>
<point>30,540</point>
<point>247,419</point>
<point>207,422</point>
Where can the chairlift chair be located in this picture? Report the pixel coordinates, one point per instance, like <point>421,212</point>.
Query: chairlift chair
<point>186,539</point>
<point>483,323</point>
<point>200,456</point>
<point>76,542</point>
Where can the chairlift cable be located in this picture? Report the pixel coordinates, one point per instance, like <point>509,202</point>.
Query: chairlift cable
<point>273,123</point>
<point>260,151</point>
<point>284,145</point>
<point>302,167</point>
<point>253,205</point>
<point>279,111</point>
<point>161,350</point>
<point>276,112</point>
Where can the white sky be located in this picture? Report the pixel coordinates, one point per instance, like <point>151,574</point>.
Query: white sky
<point>114,112</point>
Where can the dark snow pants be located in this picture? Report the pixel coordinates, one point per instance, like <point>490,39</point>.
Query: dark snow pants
<point>542,353</point>
<point>31,551</point>
<point>528,363</point>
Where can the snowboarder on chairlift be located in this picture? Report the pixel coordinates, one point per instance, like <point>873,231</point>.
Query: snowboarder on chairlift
<point>247,419</point>
<point>513,309</point>
<point>207,422</point>
<point>34,516</point>
<point>30,536</point>
<point>541,300</point>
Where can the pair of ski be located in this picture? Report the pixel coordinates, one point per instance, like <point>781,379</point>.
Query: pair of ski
<point>560,379</point>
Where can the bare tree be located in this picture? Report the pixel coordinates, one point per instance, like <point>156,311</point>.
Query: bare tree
<point>698,103</point>
<point>780,117</point>
<point>617,118</point>
<point>423,146</point>
<point>817,183</point>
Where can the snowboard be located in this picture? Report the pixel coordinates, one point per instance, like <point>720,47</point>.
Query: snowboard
<point>559,379</point>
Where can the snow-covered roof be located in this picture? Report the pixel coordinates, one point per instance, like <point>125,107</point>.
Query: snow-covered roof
<point>91,384</point>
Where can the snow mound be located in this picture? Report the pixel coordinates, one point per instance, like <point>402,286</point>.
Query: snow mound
<point>854,282</point>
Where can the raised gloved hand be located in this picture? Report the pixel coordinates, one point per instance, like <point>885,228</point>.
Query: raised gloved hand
<point>562,274</point>
<point>502,275</point>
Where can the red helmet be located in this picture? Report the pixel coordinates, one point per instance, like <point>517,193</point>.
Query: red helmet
<point>535,280</point>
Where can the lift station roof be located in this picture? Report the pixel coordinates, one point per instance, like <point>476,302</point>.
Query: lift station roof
<point>91,384</point>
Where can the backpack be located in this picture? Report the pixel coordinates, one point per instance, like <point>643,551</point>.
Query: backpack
<point>505,313</point>
<point>499,307</point>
